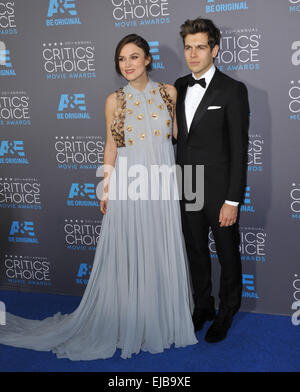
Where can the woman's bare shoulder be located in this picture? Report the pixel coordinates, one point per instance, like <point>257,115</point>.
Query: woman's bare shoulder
<point>111,102</point>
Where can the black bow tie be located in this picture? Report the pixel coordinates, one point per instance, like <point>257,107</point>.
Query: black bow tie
<point>192,82</point>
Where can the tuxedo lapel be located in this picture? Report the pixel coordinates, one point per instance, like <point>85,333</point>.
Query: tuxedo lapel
<point>181,113</point>
<point>212,91</point>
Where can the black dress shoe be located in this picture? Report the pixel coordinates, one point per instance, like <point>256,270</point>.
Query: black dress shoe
<point>219,329</point>
<point>199,318</point>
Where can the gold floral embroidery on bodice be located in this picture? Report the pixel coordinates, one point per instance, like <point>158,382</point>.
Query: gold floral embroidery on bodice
<point>135,115</point>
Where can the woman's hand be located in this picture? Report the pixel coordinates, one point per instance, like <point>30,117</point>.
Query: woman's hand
<point>103,205</point>
<point>104,198</point>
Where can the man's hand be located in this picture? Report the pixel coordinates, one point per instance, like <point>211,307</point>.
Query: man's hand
<point>228,215</point>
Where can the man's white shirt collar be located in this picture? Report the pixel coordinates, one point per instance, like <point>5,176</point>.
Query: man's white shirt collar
<point>208,75</point>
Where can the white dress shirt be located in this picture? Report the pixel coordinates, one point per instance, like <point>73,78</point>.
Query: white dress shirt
<point>195,94</point>
<point>193,98</point>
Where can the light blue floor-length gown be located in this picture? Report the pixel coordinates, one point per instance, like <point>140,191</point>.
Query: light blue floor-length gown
<point>138,296</point>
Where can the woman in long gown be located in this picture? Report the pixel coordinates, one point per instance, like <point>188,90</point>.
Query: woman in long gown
<point>138,296</point>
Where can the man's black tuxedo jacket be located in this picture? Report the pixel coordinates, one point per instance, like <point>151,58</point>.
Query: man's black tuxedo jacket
<point>218,138</point>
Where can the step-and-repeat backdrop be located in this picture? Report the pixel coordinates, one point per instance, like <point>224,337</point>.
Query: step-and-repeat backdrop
<point>56,70</point>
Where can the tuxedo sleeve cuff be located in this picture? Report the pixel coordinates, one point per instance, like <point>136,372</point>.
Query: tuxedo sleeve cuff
<point>232,203</point>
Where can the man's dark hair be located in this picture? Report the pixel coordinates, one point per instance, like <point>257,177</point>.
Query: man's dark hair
<point>138,41</point>
<point>201,25</point>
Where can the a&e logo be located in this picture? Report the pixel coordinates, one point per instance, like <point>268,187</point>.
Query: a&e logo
<point>5,61</point>
<point>214,6</point>
<point>84,273</point>
<point>82,195</point>
<point>154,50</point>
<point>247,204</point>
<point>65,9</point>
<point>22,232</point>
<point>249,287</point>
<point>12,152</point>
<point>72,106</point>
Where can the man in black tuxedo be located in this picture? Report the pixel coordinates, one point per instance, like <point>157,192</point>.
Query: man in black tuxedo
<point>212,114</point>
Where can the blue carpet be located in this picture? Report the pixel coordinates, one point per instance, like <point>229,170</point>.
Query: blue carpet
<point>256,342</point>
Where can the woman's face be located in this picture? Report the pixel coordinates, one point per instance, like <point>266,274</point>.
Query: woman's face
<point>132,62</point>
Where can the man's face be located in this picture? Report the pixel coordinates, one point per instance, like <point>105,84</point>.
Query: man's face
<point>198,55</point>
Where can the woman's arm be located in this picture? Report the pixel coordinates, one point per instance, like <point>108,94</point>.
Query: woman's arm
<point>110,151</point>
<point>171,90</point>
